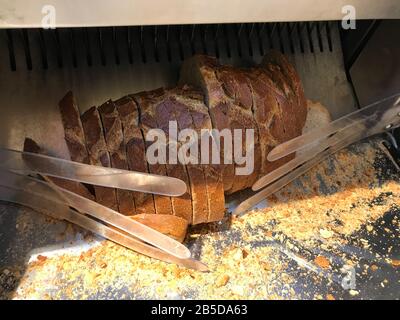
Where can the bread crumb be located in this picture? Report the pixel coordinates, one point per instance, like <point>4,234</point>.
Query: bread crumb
<point>322,262</point>
<point>222,280</point>
<point>238,255</point>
<point>353,292</point>
<point>374,267</point>
<point>268,234</point>
<point>238,290</point>
<point>41,258</point>
<point>330,297</point>
<point>326,234</point>
<point>395,263</point>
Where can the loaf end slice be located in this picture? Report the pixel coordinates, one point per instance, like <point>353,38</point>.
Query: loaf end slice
<point>317,115</point>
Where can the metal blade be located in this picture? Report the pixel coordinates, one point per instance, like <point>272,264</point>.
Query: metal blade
<point>357,129</point>
<point>26,162</point>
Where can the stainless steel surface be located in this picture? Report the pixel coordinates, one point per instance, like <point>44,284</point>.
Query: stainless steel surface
<point>20,13</point>
<point>376,72</point>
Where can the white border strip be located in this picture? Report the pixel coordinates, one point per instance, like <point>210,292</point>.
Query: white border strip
<point>80,13</point>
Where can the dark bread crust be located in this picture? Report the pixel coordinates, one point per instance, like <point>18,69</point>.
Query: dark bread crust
<point>135,149</point>
<point>114,138</point>
<point>98,154</point>
<point>147,121</point>
<point>73,186</point>
<point>289,72</point>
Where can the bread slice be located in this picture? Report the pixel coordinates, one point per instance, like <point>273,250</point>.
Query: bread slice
<point>179,99</point>
<point>237,87</point>
<point>287,69</point>
<point>98,154</point>
<point>73,131</point>
<point>147,121</point>
<point>268,100</point>
<point>228,98</point>
<point>199,71</point>
<point>73,186</point>
<point>135,149</point>
<point>198,111</point>
<point>114,138</point>
<point>280,108</point>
